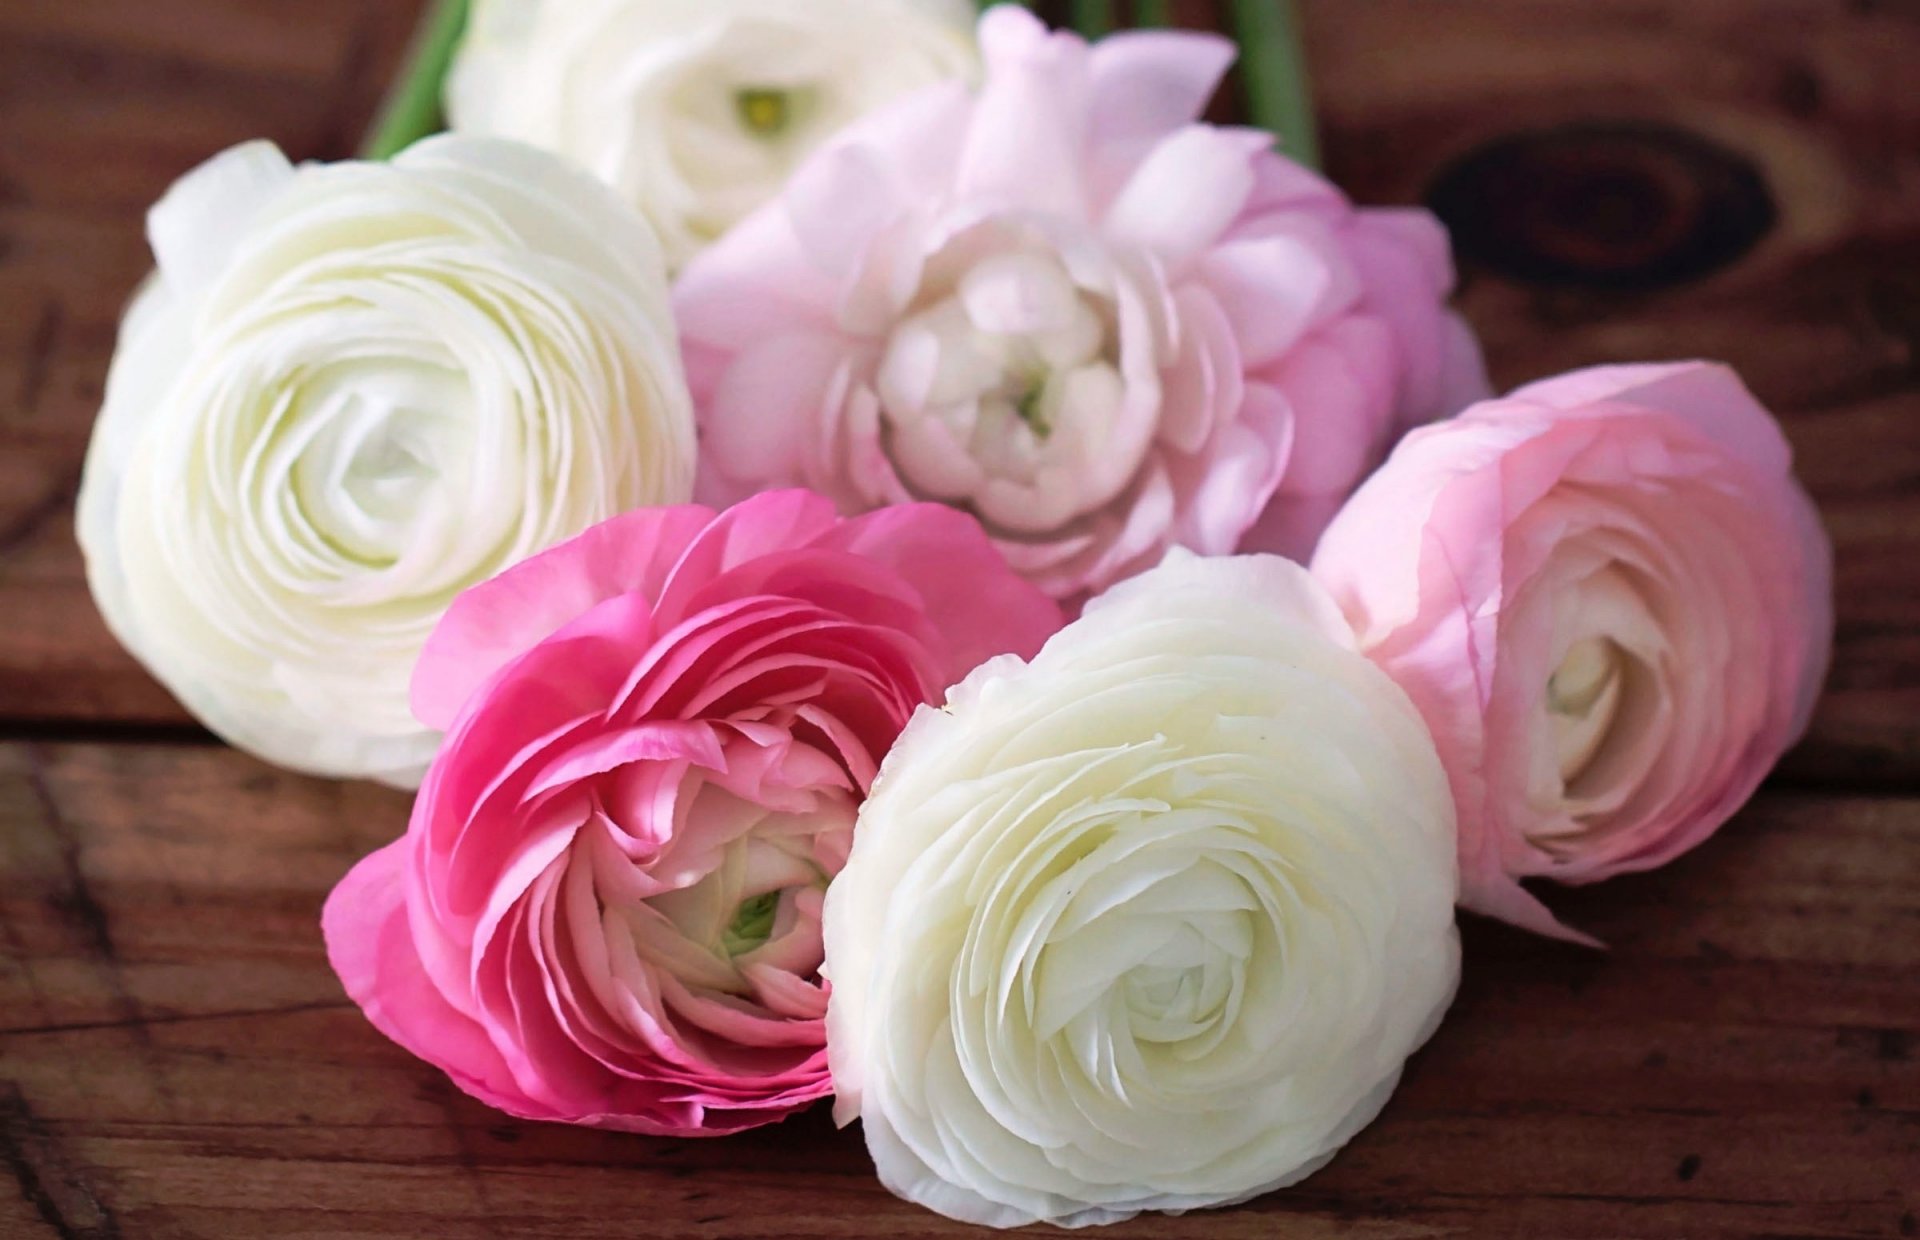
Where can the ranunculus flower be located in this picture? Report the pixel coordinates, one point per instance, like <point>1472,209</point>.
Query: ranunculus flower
<point>696,111</point>
<point>606,909</point>
<point>350,392</point>
<point>1613,604</point>
<point>1066,306</point>
<point>1149,923</point>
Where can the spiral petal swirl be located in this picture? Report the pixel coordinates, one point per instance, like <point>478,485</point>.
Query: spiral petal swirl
<point>1149,923</point>
<point>348,393</point>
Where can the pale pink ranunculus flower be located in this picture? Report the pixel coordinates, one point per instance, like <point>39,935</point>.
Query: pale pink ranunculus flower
<point>1613,604</point>
<point>606,908</point>
<point>1064,304</point>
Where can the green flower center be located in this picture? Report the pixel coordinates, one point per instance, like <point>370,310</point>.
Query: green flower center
<point>766,112</point>
<point>1027,405</point>
<point>752,924</point>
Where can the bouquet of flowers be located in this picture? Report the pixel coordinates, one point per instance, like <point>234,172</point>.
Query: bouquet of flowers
<point>907,566</point>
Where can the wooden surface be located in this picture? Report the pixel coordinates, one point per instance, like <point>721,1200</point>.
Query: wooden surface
<point>1628,178</point>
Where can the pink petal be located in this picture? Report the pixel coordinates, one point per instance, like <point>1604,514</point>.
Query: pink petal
<point>1186,193</point>
<point>658,741</point>
<point>1339,385</point>
<point>1277,287</point>
<point>1148,83</point>
<point>1709,396</point>
<point>1228,499</point>
<point>371,948</point>
<point>838,203</point>
<point>761,525</point>
<point>1202,391</point>
<point>966,587</point>
<point>1407,269</point>
<point>1497,895</point>
<point>493,623</point>
<point>758,280</point>
<point>769,409</point>
<point>1029,124</point>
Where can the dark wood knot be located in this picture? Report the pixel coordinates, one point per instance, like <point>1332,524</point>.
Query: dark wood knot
<point>1603,206</point>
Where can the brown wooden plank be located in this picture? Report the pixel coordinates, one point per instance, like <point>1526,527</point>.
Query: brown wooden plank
<point>177,1061</point>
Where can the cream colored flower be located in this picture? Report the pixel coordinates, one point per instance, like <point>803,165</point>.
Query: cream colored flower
<point>1149,923</point>
<point>696,111</point>
<point>350,392</point>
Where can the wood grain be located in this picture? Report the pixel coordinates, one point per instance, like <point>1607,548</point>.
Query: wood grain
<point>176,1060</point>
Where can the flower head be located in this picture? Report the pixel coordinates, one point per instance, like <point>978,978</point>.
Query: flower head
<point>1149,922</point>
<point>1063,304</point>
<point>1613,604</point>
<point>606,908</point>
<point>350,392</point>
<point>696,111</point>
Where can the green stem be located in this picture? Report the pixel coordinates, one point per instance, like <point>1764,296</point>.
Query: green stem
<point>411,109</point>
<point>1092,18</point>
<point>1152,13</point>
<point>1274,70</point>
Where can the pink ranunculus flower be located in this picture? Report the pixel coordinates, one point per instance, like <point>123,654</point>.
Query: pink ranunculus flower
<point>1065,305</point>
<point>1613,604</point>
<point>606,908</point>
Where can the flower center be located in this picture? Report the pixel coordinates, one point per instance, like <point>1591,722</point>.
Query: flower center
<point>369,447</point>
<point>752,924</point>
<point>1583,698</point>
<point>768,112</point>
<point>1003,393</point>
<point>1028,406</point>
<point>1151,948</point>
<point>1181,989</point>
<point>731,900</point>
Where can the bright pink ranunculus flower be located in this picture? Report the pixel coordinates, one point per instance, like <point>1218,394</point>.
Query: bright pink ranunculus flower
<point>1065,305</point>
<point>606,908</point>
<point>1613,604</point>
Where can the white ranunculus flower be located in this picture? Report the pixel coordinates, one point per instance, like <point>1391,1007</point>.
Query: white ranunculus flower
<point>1150,923</point>
<point>349,392</point>
<point>696,111</point>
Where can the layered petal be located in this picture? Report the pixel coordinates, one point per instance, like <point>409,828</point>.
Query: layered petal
<point>696,113</point>
<point>1613,604</point>
<point>348,393</point>
<point>1065,304</point>
<point>607,907</point>
<point>1148,922</point>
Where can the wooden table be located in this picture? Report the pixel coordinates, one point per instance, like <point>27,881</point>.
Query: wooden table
<point>1628,179</point>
